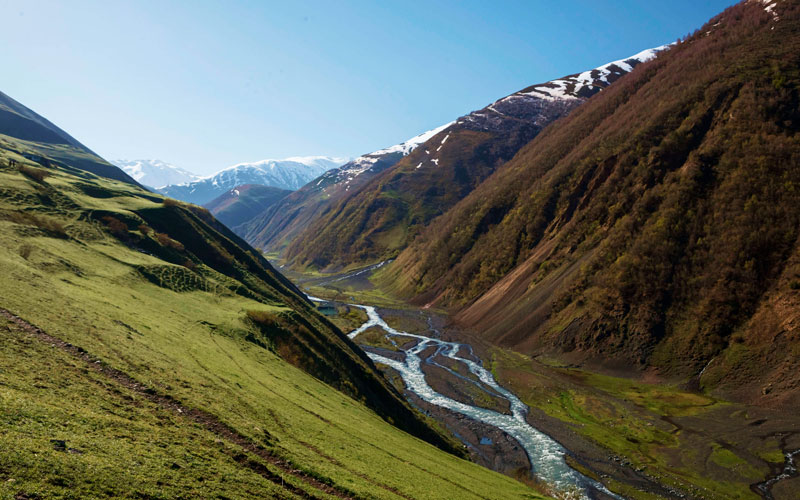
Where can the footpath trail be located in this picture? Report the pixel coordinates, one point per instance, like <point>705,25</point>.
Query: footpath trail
<point>254,456</point>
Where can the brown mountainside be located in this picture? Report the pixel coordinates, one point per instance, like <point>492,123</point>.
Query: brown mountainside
<point>656,226</point>
<point>377,219</point>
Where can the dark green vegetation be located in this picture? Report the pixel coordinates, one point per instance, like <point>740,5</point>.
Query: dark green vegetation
<point>238,206</point>
<point>168,355</point>
<point>42,142</point>
<point>656,227</point>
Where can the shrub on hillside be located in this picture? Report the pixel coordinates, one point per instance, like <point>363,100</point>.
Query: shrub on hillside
<point>169,202</point>
<point>50,225</point>
<point>165,241</point>
<point>199,211</point>
<point>116,227</point>
<point>25,251</point>
<point>145,229</point>
<point>36,174</point>
<point>264,318</point>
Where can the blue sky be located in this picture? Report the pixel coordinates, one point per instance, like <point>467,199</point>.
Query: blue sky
<point>206,84</point>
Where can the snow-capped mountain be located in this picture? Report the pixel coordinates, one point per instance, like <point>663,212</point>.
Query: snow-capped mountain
<point>373,162</point>
<point>290,173</point>
<point>453,149</point>
<point>529,103</point>
<point>155,173</point>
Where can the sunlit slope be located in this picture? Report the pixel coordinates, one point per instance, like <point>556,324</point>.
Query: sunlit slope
<point>177,305</point>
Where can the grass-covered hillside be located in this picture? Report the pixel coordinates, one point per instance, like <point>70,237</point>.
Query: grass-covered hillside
<point>147,352</point>
<point>656,226</point>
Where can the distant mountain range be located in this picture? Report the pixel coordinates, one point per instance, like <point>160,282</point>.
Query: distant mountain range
<point>281,222</point>
<point>155,174</point>
<point>94,262</point>
<point>373,207</point>
<point>290,173</point>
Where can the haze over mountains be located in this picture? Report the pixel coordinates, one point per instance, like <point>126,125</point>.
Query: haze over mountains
<point>290,173</point>
<point>155,174</point>
<point>188,307</point>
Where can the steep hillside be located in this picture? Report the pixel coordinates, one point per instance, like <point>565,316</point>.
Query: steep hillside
<point>278,225</point>
<point>37,138</point>
<point>382,217</point>
<point>291,173</point>
<point>239,205</point>
<point>655,227</point>
<point>155,173</point>
<point>142,339</point>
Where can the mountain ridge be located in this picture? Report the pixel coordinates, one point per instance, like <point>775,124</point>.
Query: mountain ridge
<point>154,173</point>
<point>290,173</point>
<point>276,226</point>
<point>238,206</point>
<point>377,221</point>
<point>645,230</point>
<point>36,136</point>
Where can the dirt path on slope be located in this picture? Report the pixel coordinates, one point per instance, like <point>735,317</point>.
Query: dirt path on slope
<point>207,420</point>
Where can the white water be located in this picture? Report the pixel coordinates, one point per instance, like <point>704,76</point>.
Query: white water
<point>545,454</point>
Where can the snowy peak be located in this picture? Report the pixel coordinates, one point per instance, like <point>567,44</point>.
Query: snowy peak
<point>375,161</point>
<point>155,173</point>
<point>409,145</point>
<point>290,173</point>
<point>537,104</point>
<point>588,83</point>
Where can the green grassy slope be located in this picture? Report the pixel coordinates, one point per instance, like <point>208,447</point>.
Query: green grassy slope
<point>649,226</point>
<point>165,295</point>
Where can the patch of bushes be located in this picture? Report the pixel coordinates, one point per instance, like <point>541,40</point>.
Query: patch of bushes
<point>145,229</point>
<point>37,174</point>
<point>165,241</point>
<point>169,202</point>
<point>199,211</point>
<point>116,227</point>
<point>51,226</point>
<point>264,318</point>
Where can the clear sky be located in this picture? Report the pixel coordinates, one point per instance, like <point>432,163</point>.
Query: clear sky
<point>205,84</point>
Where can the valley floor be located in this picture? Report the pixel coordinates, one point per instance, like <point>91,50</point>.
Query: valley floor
<point>641,438</point>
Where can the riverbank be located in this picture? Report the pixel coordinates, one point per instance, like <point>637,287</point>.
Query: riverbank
<point>645,440</point>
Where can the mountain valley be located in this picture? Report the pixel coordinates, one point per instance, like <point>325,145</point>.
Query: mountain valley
<point>587,290</point>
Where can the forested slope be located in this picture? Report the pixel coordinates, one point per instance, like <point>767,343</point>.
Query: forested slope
<point>656,226</point>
